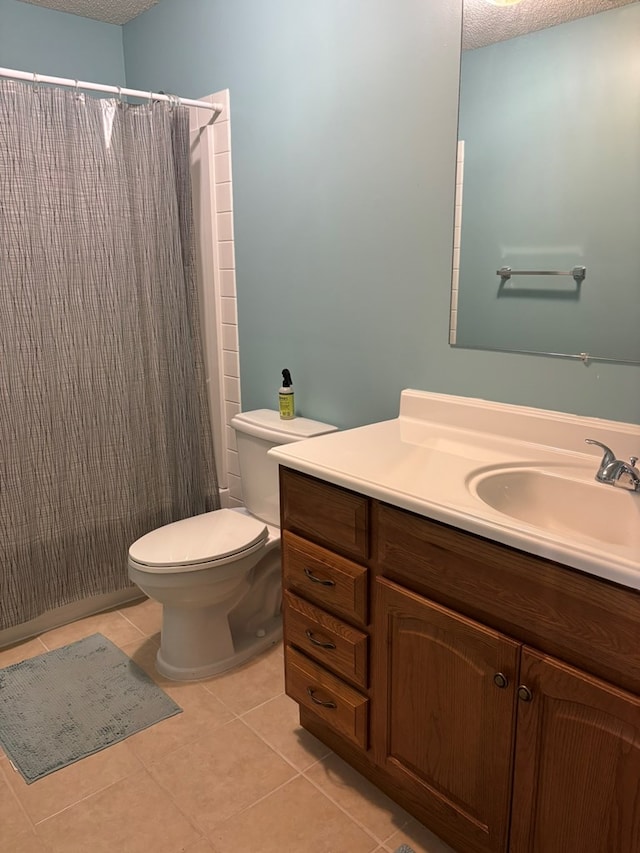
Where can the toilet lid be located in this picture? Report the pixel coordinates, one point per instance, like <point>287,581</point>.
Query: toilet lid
<point>202,538</point>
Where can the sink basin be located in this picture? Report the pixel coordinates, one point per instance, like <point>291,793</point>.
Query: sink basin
<point>562,504</point>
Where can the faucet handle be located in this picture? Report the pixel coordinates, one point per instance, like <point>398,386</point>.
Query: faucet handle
<point>632,461</point>
<point>604,471</point>
<point>609,455</point>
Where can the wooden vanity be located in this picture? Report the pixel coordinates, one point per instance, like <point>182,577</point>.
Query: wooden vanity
<point>492,693</point>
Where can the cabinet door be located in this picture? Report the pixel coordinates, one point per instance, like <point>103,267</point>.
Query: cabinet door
<point>445,705</point>
<point>577,769</point>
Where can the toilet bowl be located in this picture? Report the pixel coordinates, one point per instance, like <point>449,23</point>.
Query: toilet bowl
<point>218,575</point>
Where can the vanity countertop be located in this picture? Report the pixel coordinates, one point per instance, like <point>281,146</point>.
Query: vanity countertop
<point>433,458</point>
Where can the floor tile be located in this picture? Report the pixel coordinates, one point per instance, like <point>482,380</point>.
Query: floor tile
<point>132,816</point>
<point>419,838</point>
<point>112,624</point>
<point>55,792</point>
<point>252,783</point>
<point>202,846</point>
<point>216,778</point>
<point>250,685</point>
<point>143,651</point>
<point>29,844</point>
<point>23,651</point>
<point>203,711</point>
<point>358,797</point>
<point>295,817</point>
<point>201,715</point>
<point>146,615</point>
<point>276,721</point>
<point>14,822</point>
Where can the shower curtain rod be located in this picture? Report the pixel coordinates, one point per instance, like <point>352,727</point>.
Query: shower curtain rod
<point>99,87</point>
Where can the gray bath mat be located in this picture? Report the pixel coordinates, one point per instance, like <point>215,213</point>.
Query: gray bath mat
<point>404,848</point>
<point>69,703</point>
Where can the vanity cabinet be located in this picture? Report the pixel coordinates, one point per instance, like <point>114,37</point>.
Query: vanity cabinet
<point>492,693</point>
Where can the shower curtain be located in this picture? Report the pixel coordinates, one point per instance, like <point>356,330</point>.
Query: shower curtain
<point>104,428</point>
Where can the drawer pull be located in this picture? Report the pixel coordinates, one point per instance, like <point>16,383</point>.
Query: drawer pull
<point>323,645</point>
<point>315,699</point>
<point>313,578</point>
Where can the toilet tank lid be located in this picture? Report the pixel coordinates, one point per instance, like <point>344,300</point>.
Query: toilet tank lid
<point>268,425</point>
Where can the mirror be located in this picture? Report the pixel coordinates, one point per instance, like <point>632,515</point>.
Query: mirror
<point>547,236</point>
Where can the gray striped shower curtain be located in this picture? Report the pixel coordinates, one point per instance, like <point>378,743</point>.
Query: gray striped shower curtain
<point>104,428</point>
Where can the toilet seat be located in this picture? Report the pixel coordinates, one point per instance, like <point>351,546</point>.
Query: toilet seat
<point>200,542</point>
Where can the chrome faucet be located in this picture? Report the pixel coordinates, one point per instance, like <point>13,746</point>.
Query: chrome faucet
<point>614,471</point>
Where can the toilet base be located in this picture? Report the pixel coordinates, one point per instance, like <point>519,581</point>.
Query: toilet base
<point>246,646</point>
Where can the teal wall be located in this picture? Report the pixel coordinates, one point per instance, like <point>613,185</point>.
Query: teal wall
<point>343,168</point>
<point>344,127</point>
<point>48,42</point>
<point>343,136</point>
<point>551,181</point>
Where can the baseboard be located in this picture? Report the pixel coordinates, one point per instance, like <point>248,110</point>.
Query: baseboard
<point>69,613</point>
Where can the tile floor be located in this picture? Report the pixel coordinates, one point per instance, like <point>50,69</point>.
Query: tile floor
<point>234,772</point>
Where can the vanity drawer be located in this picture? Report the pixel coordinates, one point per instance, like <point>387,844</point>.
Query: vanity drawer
<point>340,706</point>
<point>325,513</point>
<point>325,578</point>
<point>325,638</point>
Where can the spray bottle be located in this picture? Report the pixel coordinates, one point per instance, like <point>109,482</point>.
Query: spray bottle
<point>285,397</point>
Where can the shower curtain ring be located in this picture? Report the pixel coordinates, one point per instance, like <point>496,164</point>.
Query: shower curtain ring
<point>119,88</point>
<point>35,82</point>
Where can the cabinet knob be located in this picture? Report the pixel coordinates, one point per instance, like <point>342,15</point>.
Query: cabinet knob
<point>314,579</point>
<point>315,699</point>
<point>321,643</point>
<point>500,680</point>
<point>524,693</point>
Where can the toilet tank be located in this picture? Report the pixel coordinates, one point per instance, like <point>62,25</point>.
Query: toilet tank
<point>256,433</point>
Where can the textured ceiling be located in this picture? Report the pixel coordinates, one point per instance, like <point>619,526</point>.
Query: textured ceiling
<point>110,11</point>
<point>485,23</point>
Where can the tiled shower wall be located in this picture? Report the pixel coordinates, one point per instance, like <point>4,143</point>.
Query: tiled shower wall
<point>223,285</point>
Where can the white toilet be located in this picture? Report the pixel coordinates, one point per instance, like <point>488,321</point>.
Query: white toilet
<point>218,575</point>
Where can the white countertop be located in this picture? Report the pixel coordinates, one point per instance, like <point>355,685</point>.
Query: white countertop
<point>427,459</point>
